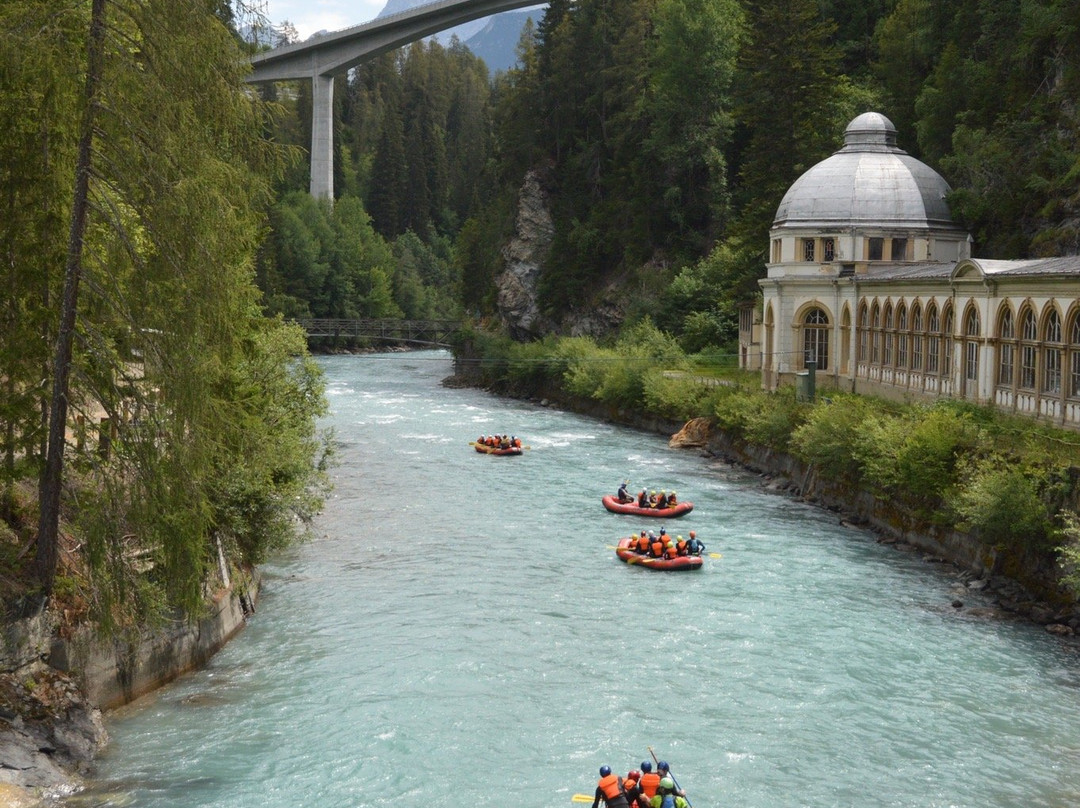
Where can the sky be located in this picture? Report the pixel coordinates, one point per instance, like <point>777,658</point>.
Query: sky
<point>312,16</point>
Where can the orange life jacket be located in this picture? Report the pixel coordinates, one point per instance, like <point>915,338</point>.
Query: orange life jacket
<point>649,783</point>
<point>658,552</point>
<point>643,544</point>
<point>610,786</point>
<point>680,548</point>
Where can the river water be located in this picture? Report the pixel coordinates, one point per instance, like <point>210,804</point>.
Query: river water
<point>460,632</point>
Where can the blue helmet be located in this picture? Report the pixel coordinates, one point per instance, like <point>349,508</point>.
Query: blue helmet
<point>605,771</point>
<point>646,766</point>
<point>662,765</point>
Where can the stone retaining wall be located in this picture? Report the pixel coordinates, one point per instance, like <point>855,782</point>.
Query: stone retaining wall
<point>115,672</point>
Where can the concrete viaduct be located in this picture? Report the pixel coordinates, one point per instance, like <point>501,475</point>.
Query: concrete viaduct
<point>323,57</point>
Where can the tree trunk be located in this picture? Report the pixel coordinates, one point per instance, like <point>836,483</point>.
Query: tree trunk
<point>45,562</point>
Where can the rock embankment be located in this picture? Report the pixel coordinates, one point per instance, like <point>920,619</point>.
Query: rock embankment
<point>49,734</point>
<point>53,688</point>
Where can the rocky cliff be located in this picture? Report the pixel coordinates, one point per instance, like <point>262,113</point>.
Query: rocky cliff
<point>524,258</point>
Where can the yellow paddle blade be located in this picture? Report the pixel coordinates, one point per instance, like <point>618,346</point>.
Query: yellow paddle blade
<point>581,798</point>
<point>715,555</point>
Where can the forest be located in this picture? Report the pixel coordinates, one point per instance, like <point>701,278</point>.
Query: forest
<point>159,413</point>
<point>667,131</point>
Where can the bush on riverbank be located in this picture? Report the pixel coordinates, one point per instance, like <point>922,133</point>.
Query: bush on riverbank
<point>1009,482</point>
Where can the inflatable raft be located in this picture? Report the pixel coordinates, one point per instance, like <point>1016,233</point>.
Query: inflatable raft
<point>510,450</point>
<point>613,505</point>
<point>677,564</point>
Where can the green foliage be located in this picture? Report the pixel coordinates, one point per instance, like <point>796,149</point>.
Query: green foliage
<point>827,438</point>
<point>211,407</point>
<point>1000,500</point>
<point>531,369</point>
<point>914,455</point>
<point>677,396</point>
<point>700,304</point>
<point>1069,551</point>
<point>759,417</point>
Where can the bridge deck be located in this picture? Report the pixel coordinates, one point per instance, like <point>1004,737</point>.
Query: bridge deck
<point>423,332</point>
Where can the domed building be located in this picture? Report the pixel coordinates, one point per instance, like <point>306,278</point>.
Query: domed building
<point>872,288</point>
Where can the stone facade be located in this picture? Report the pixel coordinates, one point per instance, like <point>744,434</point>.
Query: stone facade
<point>871,280</point>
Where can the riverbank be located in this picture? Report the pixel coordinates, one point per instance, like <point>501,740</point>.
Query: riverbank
<point>56,685</point>
<point>1015,584</point>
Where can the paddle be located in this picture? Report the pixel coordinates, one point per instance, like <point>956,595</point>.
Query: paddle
<point>581,798</point>
<point>672,776</point>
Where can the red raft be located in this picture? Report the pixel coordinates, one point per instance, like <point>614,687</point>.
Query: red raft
<point>494,450</point>
<point>677,564</point>
<point>613,505</point>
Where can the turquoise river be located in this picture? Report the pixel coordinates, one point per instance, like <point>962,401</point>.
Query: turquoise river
<point>459,633</point>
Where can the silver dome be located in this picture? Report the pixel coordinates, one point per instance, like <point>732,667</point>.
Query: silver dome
<point>869,182</point>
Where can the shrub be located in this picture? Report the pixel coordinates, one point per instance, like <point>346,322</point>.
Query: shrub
<point>1069,551</point>
<point>1000,501</point>
<point>914,455</point>
<point>679,396</point>
<point>759,417</point>
<point>826,439</point>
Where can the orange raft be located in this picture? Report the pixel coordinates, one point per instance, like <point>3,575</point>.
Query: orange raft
<point>677,564</point>
<point>613,505</point>
<point>495,450</point>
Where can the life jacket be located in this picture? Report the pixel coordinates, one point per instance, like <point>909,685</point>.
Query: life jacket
<point>517,443</point>
<point>658,552</point>
<point>661,501</point>
<point>668,801</point>
<point>680,547</point>
<point>643,544</point>
<point>670,552</point>
<point>611,786</point>
<point>641,500</point>
<point>629,788</point>
<point>649,783</point>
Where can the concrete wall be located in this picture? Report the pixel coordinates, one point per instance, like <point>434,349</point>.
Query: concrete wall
<point>115,672</point>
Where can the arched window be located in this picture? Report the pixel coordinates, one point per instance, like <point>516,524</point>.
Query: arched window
<point>845,339</point>
<point>816,338</point>
<point>916,338</point>
<point>901,336</point>
<point>862,327</point>
<point>875,340</point>
<point>886,357</point>
<point>971,346</point>
<point>1052,354</point>
<point>1074,353</point>
<point>1006,349</point>
<point>947,342</point>
<point>933,340</point>
<point>1029,348</point>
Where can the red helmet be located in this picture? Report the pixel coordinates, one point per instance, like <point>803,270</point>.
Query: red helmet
<point>635,775</point>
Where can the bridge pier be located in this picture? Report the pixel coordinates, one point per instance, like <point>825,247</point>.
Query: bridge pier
<point>325,56</point>
<point>322,137</point>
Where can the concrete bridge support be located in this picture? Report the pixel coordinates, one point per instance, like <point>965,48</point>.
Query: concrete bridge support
<point>323,57</point>
<point>322,137</point>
